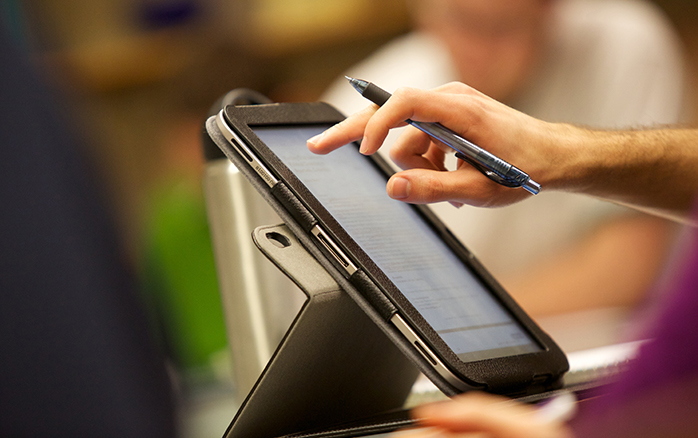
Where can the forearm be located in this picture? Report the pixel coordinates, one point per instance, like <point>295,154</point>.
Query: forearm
<point>654,170</point>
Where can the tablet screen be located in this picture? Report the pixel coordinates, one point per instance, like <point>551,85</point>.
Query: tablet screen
<point>401,243</point>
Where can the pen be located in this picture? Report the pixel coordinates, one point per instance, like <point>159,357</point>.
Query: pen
<point>490,165</point>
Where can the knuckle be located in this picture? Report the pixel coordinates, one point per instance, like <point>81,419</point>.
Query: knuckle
<point>405,93</point>
<point>457,88</point>
<point>396,153</point>
<point>474,113</point>
<point>432,188</point>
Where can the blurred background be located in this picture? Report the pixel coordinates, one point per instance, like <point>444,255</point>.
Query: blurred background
<point>139,77</point>
<point>143,73</point>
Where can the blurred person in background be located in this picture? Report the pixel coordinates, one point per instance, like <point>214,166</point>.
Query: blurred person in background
<point>79,358</point>
<point>600,63</point>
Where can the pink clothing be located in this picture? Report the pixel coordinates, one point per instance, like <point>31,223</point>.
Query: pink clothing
<point>658,395</point>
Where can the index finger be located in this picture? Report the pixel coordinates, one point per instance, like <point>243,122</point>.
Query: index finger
<point>437,105</point>
<point>344,132</point>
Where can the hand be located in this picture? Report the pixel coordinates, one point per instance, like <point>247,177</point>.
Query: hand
<point>483,415</point>
<point>528,143</point>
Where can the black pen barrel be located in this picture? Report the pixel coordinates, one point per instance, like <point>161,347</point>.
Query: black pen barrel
<point>376,94</point>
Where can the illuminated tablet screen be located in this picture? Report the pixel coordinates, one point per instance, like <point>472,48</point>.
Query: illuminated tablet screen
<point>411,254</point>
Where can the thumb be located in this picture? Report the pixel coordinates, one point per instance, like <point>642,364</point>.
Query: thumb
<point>465,185</point>
<point>423,186</point>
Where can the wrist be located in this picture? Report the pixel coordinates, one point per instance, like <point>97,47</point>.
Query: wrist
<point>568,158</point>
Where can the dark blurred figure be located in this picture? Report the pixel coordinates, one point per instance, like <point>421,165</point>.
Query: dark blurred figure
<point>78,358</point>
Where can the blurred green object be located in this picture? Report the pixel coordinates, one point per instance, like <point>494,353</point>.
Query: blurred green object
<point>180,276</point>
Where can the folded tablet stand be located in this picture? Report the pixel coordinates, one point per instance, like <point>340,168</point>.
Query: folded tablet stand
<point>334,366</point>
<point>335,373</point>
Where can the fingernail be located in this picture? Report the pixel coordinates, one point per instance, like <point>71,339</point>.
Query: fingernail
<point>362,147</point>
<point>456,204</point>
<point>400,188</point>
<point>314,140</point>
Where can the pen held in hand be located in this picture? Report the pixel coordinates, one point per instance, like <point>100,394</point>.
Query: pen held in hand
<point>490,165</point>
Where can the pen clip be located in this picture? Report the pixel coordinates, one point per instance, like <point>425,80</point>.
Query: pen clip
<point>488,173</point>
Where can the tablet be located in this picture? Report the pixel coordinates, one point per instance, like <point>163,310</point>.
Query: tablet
<point>407,265</point>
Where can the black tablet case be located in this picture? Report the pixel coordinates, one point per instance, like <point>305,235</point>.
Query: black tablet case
<point>267,401</point>
<point>341,369</point>
<point>391,331</point>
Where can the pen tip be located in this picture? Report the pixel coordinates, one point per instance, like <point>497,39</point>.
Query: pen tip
<point>359,84</point>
